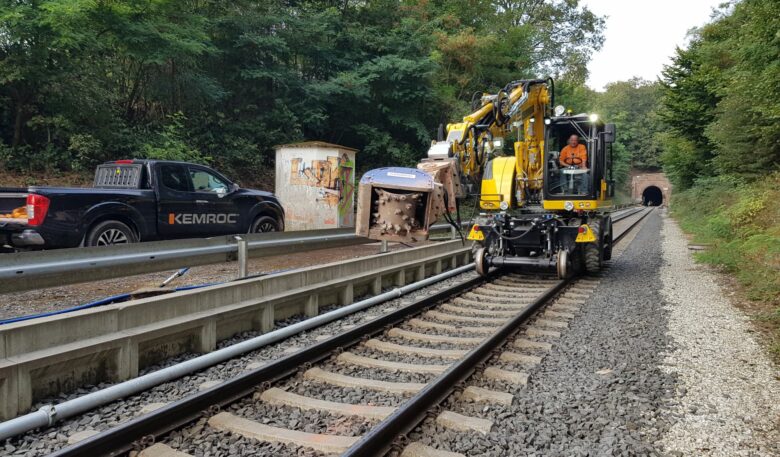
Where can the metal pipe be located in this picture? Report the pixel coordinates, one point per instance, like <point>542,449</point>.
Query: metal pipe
<point>50,414</point>
<point>178,274</point>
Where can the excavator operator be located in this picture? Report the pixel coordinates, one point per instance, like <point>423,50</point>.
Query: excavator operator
<point>574,162</point>
<point>574,154</point>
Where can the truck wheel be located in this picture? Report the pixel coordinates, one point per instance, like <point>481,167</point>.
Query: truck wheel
<point>593,251</point>
<point>607,238</point>
<point>264,224</point>
<point>109,233</point>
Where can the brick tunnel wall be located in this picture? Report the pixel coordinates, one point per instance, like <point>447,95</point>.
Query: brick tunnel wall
<point>641,181</point>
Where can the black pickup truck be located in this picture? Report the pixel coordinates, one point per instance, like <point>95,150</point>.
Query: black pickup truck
<point>135,200</point>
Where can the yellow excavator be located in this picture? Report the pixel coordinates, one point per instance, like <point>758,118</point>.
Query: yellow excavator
<point>537,209</point>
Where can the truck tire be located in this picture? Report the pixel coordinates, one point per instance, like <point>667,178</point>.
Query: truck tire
<point>593,251</point>
<point>608,240</point>
<point>264,224</point>
<point>110,233</point>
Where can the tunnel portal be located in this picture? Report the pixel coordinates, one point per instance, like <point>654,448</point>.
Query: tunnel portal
<point>652,196</point>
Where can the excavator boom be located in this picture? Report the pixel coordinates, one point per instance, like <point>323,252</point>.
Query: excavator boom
<point>400,204</point>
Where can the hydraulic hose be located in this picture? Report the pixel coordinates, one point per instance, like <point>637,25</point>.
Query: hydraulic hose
<point>102,302</point>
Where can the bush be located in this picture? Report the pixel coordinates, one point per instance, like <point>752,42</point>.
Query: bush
<point>171,144</point>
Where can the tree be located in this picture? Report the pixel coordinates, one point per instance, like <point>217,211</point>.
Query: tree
<point>689,102</point>
<point>85,81</point>
<point>746,128</point>
<point>721,97</point>
<point>633,105</point>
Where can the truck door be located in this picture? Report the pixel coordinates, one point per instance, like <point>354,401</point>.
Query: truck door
<point>218,212</point>
<point>175,201</point>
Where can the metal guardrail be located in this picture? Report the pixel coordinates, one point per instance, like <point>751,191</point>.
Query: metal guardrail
<point>38,269</point>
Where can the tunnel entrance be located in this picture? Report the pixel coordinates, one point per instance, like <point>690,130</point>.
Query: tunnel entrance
<point>652,196</point>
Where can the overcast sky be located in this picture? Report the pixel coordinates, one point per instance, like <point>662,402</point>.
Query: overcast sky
<point>641,36</point>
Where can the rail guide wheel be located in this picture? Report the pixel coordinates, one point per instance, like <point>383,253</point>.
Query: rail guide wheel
<point>480,262</point>
<point>563,264</point>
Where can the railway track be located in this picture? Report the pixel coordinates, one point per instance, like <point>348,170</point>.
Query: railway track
<point>362,391</point>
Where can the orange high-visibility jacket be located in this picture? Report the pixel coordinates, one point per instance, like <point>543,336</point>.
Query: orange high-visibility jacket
<point>579,151</point>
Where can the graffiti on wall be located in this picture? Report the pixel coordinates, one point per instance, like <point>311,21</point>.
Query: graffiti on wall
<point>333,179</point>
<point>347,183</point>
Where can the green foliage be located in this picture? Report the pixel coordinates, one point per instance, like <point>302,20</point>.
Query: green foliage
<point>721,97</point>
<point>681,160</point>
<point>171,144</point>
<point>83,81</point>
<point>633,105</point>
<point>740,221</point>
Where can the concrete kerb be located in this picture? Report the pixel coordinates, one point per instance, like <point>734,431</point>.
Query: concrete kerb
<point>112,343</point>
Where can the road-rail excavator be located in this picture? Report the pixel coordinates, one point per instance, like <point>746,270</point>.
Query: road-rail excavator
<point>537,208</point>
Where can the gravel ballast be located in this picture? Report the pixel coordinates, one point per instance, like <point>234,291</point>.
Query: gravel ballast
<point>600,391</point>
<point>728,391</point>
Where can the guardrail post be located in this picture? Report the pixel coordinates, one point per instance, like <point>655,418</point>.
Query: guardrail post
<point>453,233</point>
<point>383,248</point>
<point>243,256</point>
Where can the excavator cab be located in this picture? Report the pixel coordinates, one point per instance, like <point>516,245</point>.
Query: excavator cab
<point>575,182</point>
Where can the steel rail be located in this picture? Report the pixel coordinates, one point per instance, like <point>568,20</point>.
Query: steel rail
<point>381,438</point>
<point>121,438</point>
<point>177,414</point>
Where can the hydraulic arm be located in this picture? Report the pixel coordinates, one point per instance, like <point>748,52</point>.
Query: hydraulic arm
<point>401,203</point>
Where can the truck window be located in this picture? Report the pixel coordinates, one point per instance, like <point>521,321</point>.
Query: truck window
<point>203,181</point>
<point>174,177</point>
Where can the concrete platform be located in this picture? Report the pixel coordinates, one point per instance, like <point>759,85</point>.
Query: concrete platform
<point>48,356</point>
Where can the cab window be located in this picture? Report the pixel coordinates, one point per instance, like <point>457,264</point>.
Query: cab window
<point>204,181</point>
<point>174,177</point>
<point>569,175</point>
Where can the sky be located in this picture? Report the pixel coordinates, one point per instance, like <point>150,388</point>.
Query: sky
<point>641,36</point>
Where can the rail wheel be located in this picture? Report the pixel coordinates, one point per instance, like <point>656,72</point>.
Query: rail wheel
<point>480,261</point>
<point>564,264</point>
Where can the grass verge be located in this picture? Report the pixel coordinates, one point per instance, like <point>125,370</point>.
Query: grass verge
<point>740,225</point>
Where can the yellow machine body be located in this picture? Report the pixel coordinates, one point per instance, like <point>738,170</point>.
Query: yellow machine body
<point>498,183</point>
<point>585,235</point>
